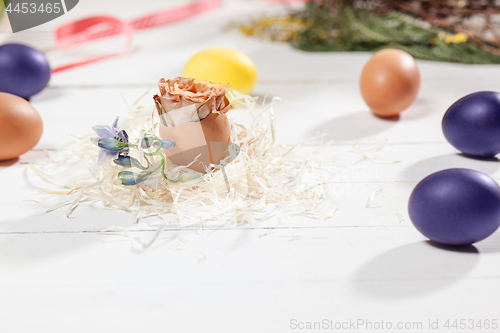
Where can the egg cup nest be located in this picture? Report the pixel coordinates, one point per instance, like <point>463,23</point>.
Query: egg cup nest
<point>266,179</point>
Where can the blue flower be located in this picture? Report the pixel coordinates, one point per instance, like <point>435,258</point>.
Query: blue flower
<point>128,162</point>
<point>147,141</point>
<point>112,144</point>
<point>111,140</point>
<point>131,178</point>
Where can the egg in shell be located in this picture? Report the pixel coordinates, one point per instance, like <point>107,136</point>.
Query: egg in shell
<point>390,82</point>
<point>193,115</point>
<point>21,126</point>
<point>206,140</point>
<point>225,66</point>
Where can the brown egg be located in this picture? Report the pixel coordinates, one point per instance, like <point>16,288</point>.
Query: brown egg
<point>208,137</point>
<point>389,82</point>
<point>20,126</point>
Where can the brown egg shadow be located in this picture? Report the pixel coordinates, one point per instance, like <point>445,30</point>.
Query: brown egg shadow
<point>388,118</point>
<point>421,108</point>
<point>353,126</point>
<point>6,163</point>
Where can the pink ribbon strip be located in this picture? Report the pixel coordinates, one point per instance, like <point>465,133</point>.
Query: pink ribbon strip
<point>98,27</point>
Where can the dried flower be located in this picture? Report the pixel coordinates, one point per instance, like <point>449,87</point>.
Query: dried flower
<point>183,100</point>
<point>114,144</point>
<point>111,140</point>
<point>147,142</point>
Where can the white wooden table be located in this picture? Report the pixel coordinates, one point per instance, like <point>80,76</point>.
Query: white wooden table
<point>362,265</point>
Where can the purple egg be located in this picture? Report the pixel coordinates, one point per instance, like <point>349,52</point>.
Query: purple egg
<point>456,206</point>
<point>472,124</point>
<point>24,71</point>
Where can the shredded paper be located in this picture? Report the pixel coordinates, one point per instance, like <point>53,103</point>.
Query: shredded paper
<point>267,179</point>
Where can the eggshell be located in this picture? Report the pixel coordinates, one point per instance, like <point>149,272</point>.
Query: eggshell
<point>472,124</point>
<point>225,66</point>
<point>21,126</point>
<point>456,206</point>
<point>390,82</point>
<point>24,70</point>
<point>208,137</point>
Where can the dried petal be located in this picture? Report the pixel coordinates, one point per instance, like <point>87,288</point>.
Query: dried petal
<point>181,92</point>
<point>104,131</point>
<point>105,156</point>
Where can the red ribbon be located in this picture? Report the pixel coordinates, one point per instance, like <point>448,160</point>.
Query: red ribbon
<point>98,27</point>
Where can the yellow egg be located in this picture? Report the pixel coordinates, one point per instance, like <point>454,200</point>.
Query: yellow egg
<point>223,65</point>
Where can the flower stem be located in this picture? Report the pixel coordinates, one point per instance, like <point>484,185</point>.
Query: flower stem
<point>162,164</point>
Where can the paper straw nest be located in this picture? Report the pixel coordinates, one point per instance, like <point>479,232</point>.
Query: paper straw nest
<point>266,179</point>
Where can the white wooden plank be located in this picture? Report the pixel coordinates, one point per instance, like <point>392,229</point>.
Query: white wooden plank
<point>233,306</point>
<point>259,283</point>
<point>224,308</point>
<point>239,255</point>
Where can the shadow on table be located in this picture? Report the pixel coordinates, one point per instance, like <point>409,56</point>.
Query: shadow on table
<point>353,126</point>
<point>415,269</point>
<point>490,244</point>
<point>47,94</point>
<point>433,164</point>
<point>421,108</point>
<point>26,249</point>
<point>45,235</point>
